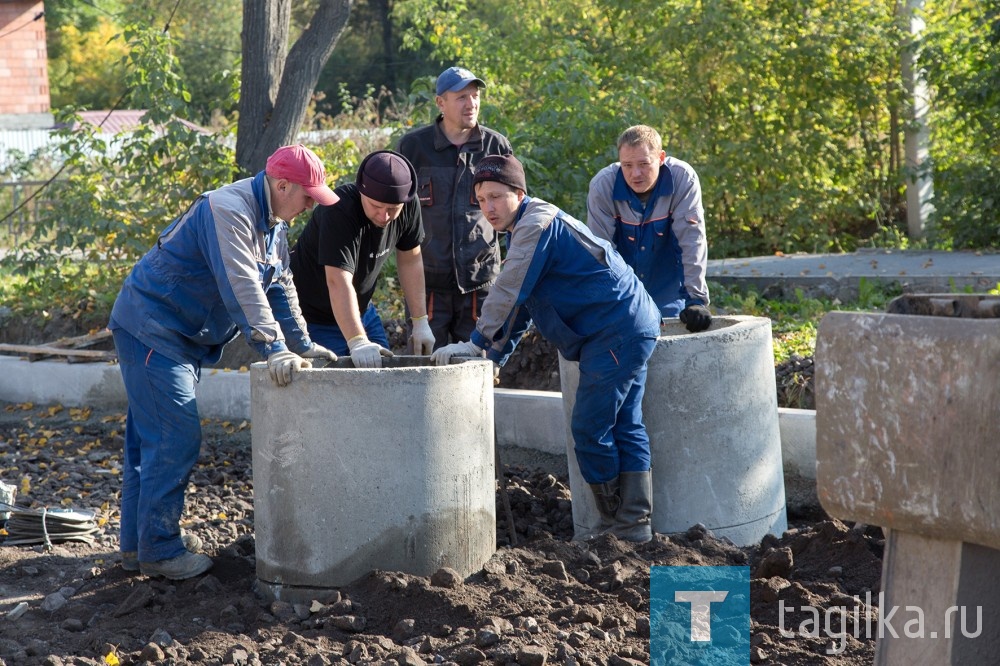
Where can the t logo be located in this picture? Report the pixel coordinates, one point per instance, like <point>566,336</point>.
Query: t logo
<point>701,611</point>
<point>699,615</point>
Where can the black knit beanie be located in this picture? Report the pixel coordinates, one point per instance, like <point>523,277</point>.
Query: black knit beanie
<point>387,177</point>
<point>501,168</point>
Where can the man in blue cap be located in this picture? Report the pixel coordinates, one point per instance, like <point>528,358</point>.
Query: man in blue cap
<point>460,250</point>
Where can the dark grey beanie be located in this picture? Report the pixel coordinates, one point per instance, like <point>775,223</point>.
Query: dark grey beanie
<point>387,177</point>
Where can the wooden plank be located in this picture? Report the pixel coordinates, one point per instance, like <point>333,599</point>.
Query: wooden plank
<point>46,350</point>
<point>79,341</point>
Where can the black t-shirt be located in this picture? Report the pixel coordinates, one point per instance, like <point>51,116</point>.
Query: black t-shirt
<point>342,236</point>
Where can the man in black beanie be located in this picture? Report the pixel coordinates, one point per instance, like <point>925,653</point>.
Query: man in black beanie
<point>337,260</point>
<point>586,301</point>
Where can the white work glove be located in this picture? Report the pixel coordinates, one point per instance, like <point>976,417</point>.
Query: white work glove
<point>365,353</point>
<point>443,356</point>
<point>281,365</point>
<point>422,337</point>
<point>319,351</point>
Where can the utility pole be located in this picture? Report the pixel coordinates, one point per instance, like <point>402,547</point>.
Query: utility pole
<point>919,184</point>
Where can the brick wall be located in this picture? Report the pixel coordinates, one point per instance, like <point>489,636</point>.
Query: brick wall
<point>24,77</point>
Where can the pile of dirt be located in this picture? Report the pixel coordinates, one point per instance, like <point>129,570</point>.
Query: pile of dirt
<point>795,382</point>
<point>548,599</point>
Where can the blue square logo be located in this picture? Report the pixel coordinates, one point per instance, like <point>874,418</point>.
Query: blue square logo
<point>699,616</point>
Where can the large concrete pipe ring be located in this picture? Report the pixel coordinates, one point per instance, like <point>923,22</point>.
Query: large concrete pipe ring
<point>363,469</point>
<point>711,411</point>
<point>906,439</point>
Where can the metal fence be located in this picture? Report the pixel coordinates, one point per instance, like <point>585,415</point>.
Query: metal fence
<point>16,220</point>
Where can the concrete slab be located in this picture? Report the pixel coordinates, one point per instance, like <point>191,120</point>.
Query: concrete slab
<point>838,275</point>
<point>711,412</point>
<point>221,394</point>
<point>338,491</point>
<point>531,419</point>
<point>798,441</point>
<point>906,438</point>
<point>941,595</point>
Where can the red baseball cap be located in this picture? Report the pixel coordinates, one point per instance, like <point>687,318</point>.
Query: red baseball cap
<point>297,164</point>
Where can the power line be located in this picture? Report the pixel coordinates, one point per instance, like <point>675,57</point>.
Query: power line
<point>100,9</point>
<point>38,16</point>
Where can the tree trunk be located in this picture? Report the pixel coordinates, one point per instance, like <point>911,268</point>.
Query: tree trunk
<point>384,10</point>
<point>277,82</point>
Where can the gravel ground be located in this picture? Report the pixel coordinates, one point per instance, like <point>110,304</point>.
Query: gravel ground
<point>548,600</point>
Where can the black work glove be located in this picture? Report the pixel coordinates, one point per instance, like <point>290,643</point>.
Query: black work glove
<point>696,317</point>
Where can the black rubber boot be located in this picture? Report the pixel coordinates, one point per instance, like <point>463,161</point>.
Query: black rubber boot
<point>632,521</point>
<point>608,501</point>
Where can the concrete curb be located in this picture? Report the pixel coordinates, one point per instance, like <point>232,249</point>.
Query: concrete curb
<point>528,419</point>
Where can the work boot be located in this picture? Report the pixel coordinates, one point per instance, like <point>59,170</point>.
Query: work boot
<point>632,522</point>
<point>185,565</point>
<point>608,501</point>
<point>130,558</point>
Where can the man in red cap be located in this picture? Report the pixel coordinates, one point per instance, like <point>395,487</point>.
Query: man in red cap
<point>461,250</point>
<point>218,270</point>
<point>340,254</point>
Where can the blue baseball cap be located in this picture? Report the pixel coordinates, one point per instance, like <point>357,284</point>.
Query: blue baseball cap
<point>454,79</point>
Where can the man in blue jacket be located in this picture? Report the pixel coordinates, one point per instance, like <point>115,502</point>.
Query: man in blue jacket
<point>218,270</point>
<point>592,307</point>
<point>648,205</point>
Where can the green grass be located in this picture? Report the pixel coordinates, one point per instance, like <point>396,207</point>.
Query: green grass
<point>794,321</point>
<point>78,290</point>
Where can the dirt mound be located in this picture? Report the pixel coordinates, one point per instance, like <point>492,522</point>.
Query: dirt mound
<point>547,599</point>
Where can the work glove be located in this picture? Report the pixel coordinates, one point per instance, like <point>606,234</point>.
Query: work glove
<point>696,317</point>
<point>281,365</point>
<point>422,338</point>
<point>365,353</point>
<point>318,351</point>
<point>443,356</point>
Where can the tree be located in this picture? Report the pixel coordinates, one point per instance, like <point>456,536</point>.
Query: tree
<point>369,56</point>
<point>961,54</point>
<point>277,81</point>
<point>85,71</point>
<point>206,42</point>
<point>784,108</point>
<point>86,51</point>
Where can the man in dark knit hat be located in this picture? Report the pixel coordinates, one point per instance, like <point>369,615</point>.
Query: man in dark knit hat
<point>587,302</point>
<point>337,260</point>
